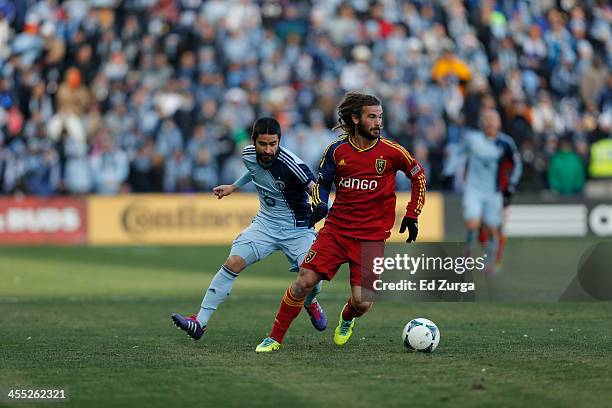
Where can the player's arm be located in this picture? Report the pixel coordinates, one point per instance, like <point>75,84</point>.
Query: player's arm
<point>322,188</point>
<point>227,189</point>
<point>456,158</point>
<point>517,170</point>
<point>310,188</point>
<point>416,174</point>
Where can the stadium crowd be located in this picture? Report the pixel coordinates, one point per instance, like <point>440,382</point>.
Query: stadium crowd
<point>111,96</point>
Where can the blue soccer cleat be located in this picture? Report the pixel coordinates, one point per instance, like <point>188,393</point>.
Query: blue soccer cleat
<point>189,325</point>
<point>317,315</point>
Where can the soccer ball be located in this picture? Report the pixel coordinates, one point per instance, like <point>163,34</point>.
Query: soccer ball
<point>421,335</point>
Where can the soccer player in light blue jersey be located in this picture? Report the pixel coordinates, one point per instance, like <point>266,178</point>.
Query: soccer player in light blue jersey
<point>483,196</point>
<point>283,223</point>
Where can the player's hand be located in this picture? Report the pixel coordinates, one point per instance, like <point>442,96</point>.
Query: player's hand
<point>507,194</point>
<point>318,213</point>
<point>413,228</point>
<point>224,190</point>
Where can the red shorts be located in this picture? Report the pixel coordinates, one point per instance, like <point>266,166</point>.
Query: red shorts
<point>330,250</point>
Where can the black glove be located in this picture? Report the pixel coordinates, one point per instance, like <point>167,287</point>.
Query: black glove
<point>413,228</point>
<point>318,213</point>
<point>507,194</point>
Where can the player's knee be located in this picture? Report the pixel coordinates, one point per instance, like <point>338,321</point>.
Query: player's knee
<point>235,263</point>
<point>304,283</point>
<point>472,224</point>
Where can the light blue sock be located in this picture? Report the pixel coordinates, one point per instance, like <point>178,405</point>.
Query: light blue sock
<point>472,241</point>
<point>220,288</point>
<point>315,291</point>
<point>492,247</point>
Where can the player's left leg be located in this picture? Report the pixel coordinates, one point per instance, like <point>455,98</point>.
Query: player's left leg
<point>295,244</point>
<point>492,216</point>
<point>361,261</point>
<point>358,304</point>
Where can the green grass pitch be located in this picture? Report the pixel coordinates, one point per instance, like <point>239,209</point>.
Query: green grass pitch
<point>96,321</point>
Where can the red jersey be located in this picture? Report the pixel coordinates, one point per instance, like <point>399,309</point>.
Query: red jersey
<point>364,207</point>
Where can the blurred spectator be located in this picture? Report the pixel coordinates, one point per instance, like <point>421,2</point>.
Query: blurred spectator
<point>74,165</point>
<point>142,169</point>
<point>359,73</point>
<point>204,172</point>
<point>109,167</point>
<point>593,79</point>
<point>169,138</point>
<point>545,118</point>
<point>449,65</point>
<point>73,99</point>
<point>564,79</point>
<point>177,172</point>
<point>566,171</point>
<point>306,136</point>
<point>43,172</point>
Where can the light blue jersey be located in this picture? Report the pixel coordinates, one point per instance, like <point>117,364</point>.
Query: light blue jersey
<point>484,160</point>
<point>283,199</point>
<point>282,223</point>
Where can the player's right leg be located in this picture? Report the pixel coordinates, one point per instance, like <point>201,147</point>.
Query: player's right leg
<point>251,245</point>
<point>472,214</point>
<point>219,289</point>
<point>291,305</point>
<point>322,262</point>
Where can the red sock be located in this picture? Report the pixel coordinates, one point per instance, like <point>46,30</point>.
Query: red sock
<point>349,312</point>
<point>483,236</point>
<point>289,309</point>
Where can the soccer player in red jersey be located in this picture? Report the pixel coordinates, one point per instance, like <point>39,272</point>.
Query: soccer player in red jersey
<point>362,165</point>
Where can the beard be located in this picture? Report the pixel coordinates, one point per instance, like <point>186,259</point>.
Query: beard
<point>368,133</point>
<point>265,158</point>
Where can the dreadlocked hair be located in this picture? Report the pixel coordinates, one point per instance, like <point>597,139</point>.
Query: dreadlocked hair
<point>351,105</point>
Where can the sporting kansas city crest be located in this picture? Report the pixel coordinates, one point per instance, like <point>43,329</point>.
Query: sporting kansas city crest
<point>380,165</point>
<point>310,256</point>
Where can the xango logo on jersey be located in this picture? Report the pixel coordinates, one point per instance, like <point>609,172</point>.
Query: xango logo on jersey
<point>358,184</point>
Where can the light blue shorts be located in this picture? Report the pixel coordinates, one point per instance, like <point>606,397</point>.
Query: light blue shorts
<point>260,239</point>
<point>478,205</point>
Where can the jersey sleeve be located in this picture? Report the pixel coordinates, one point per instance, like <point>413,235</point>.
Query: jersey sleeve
<point>308,172</point>
<point>249,154</point>
<point>517,168</point>
<point>411,167</point>
<point>297,167</point>
<point>327,173</point>
<point>243,180</point>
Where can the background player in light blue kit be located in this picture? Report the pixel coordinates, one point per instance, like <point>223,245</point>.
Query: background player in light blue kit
<point>283,222</point>
<point>485,151</point>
